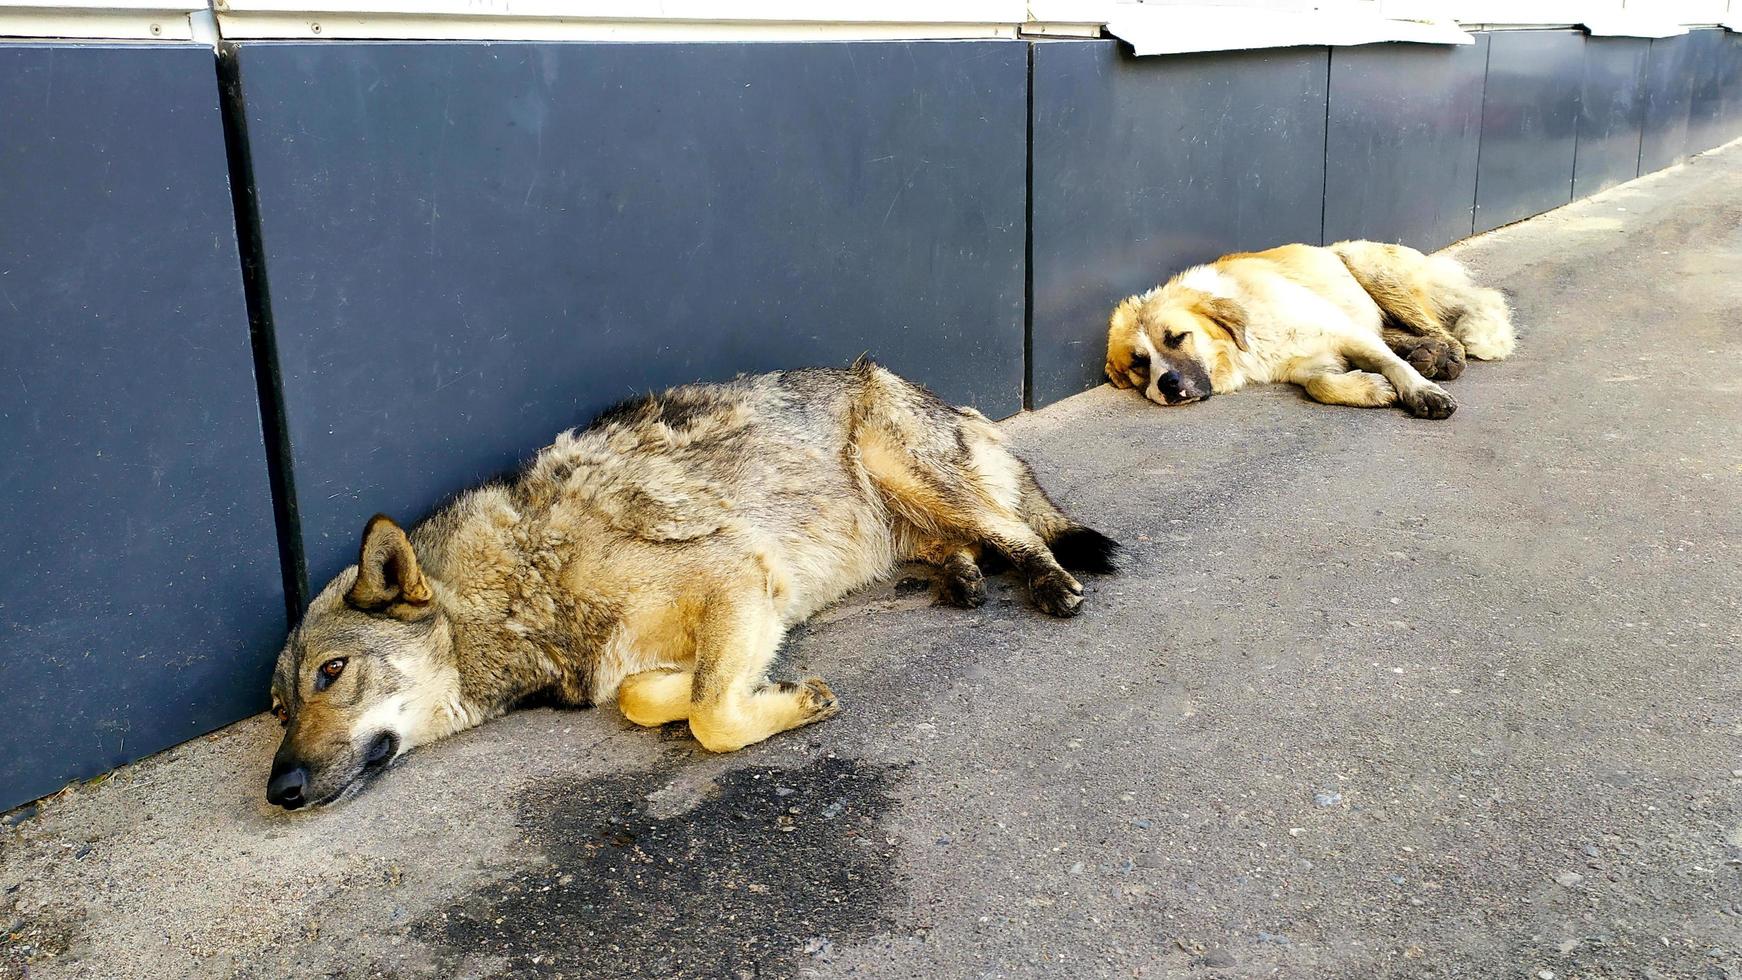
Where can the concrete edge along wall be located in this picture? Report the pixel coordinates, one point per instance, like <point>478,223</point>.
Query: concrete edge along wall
<point>452,250</point>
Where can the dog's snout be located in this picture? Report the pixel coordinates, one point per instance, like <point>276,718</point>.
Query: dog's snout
<point>287,788</point>
<point>1168,383</point>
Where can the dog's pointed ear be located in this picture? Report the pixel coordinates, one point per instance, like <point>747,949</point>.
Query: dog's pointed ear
<point>389,579</point>
<point>1228,316</point>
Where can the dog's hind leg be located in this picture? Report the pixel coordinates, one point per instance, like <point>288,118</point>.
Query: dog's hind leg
<point>970,492</point>
<point>960,581</point>
<point>732,702</point>
<point>946,472</point>
<point>655,697</point>
<point>1476,315</point>
<point>954,502</point>
<point>1416,329</point>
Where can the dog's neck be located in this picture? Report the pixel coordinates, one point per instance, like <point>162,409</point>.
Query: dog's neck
<point>511,645</point>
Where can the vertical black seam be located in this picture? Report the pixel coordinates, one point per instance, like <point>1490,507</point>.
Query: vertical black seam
<point>268,382</point>
<point>1028,246</point>
<point>1481,129</point>
<point>1325,169</point>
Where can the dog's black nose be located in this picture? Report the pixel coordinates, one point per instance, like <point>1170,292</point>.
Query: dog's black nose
<point>1168,384</point>
<point>286,788</point>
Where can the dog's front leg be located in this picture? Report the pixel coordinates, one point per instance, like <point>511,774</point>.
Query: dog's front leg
<point>1328,381</point>
<point>1421,397</point>
<point>732,702</point>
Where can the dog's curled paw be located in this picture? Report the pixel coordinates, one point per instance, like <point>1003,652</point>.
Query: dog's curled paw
<point>817,700</point>
<point>1428,402</point>
<point>1056,594</point>
<point>1440,358</point>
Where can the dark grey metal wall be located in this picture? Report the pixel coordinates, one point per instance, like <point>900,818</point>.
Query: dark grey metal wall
<point>140,597</point>
<point>1400,155</point>
<point>1707,124</point>
<point>1732,86</point>
<point>1530,114</point>
<point>472,246</point>
<point>1669,94</point>
<point>1611,113</point>
<point>1142,167</point>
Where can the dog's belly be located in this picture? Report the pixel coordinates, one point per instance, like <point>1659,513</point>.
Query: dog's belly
<point>843,545</point>
<point>1304,325</point>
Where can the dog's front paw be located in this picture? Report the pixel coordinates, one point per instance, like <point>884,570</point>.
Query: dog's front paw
<point>817,701</point>
<point>1056,594</point>
<point>1428,402</point>
<point>1440,358</point>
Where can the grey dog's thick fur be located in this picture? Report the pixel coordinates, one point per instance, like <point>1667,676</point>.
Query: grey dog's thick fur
<point>659,556</point>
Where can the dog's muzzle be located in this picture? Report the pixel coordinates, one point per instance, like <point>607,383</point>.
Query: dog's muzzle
<point>1176,389</point>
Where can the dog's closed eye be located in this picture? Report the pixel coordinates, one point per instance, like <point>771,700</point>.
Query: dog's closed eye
<point>1173,339</point>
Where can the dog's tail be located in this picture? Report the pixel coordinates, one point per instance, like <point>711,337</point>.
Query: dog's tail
<point>1476,315</point>
<point>1428,294</point>
<point>1075,546</point>
<point>1084,549</point>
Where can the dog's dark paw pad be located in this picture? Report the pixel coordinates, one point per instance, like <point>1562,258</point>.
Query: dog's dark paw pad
<point>1057,595</point>
<point>962,591</point>
<point>1431,402</point>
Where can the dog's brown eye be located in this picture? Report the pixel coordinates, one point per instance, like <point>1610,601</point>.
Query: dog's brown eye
<point>279,712</point>
<point>329,672</point>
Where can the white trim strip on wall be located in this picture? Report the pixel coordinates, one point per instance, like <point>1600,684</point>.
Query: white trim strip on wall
<point>309,26</point>
<point>131,22</point>
<point>1150,26</point>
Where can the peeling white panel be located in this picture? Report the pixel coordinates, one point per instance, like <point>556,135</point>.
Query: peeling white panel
<point>1632,24</point>
<point>1532,12</point>
<point>1179,29</point>
<point>1683,11</point>
<point>1603,18</point>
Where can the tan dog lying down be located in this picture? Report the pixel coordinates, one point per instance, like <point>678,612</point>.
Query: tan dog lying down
<point>1355,323</point>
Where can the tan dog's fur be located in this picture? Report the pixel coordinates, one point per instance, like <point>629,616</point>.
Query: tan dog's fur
<point>659,557</point>
<point>1333,320</point>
